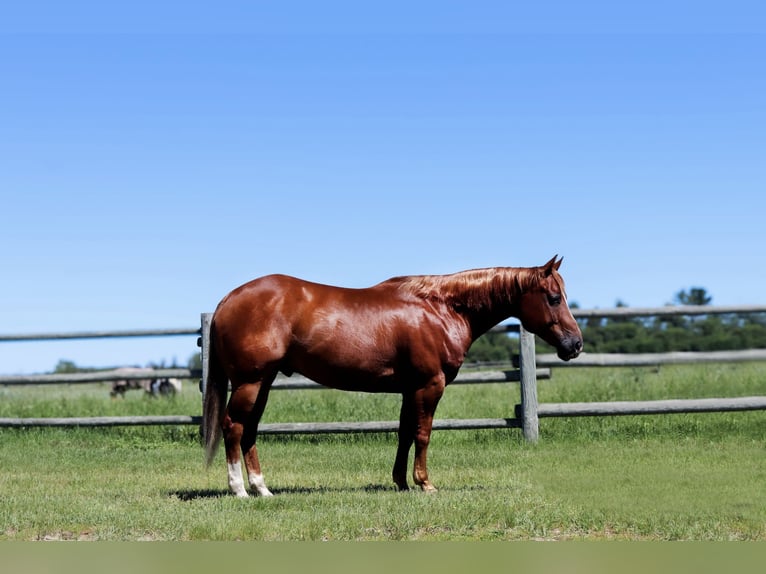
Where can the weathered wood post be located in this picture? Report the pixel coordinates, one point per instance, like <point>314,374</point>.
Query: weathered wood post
<point>528,377</point>
<point>204,344</point>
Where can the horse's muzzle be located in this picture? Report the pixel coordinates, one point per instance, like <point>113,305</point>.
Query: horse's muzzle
<point>570,348</point>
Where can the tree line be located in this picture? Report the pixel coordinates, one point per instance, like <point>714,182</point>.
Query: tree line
<point>646,334</point>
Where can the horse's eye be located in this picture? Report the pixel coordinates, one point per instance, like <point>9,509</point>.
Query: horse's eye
<point>554,300</point>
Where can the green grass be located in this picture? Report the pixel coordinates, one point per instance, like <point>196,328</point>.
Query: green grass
<point>672,477</point>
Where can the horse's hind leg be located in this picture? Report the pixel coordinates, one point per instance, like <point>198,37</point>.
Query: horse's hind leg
<point>240,428</point>
<point>249,449</point>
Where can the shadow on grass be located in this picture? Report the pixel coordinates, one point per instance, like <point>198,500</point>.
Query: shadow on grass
<point>329,489</point>
<point>190,495</point>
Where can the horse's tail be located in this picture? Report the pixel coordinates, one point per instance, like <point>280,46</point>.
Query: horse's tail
<point>216,388</point>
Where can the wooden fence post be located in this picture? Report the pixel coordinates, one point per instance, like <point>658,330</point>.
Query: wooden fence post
<point>204,343</point>
<point>528,370</point>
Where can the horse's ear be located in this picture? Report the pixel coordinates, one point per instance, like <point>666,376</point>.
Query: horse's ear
<point>549,267</point>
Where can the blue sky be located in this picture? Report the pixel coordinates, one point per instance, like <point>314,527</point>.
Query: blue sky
<point>156,155</point>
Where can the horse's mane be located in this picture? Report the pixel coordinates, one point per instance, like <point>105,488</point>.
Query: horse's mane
<point>476,288</point>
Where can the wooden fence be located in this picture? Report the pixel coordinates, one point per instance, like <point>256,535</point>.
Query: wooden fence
<point>617,408</point>
<point>526,414</point>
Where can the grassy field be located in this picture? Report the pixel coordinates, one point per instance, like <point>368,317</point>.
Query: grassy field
<point>673,477</point>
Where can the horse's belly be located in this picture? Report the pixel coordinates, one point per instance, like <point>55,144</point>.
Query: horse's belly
<point>382,385</point>
<point>351,378</point>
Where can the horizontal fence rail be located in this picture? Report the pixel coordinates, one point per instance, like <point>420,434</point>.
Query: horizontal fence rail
<point>25,422</point>
<point>652,359</point>
<point>296,382</point>
<point>99,377</point>
<point>99,335</point>
<point>267,428</point>
<point>668,406</point>
<point>668,311</point>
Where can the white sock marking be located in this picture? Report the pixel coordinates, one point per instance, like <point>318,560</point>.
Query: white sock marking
<point>236,484</point>
<point>259,484</point>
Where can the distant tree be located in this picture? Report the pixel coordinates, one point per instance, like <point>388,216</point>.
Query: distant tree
<point>695,296</point>
<point>65,367</point>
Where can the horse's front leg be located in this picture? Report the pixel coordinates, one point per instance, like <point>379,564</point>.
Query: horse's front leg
<point>426,400</point>
<point>407,425</point>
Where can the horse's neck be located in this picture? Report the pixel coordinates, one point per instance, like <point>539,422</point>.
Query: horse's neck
<point>482,320</point>
<point>488,296</point>
<point>484,297</point>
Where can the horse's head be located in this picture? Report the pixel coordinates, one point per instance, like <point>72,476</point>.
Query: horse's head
<point>543,310</point>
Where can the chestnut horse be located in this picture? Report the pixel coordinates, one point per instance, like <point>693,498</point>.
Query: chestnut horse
<point>406,335</point>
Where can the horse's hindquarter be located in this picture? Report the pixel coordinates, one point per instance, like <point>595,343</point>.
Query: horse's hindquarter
<point>252,327</point>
